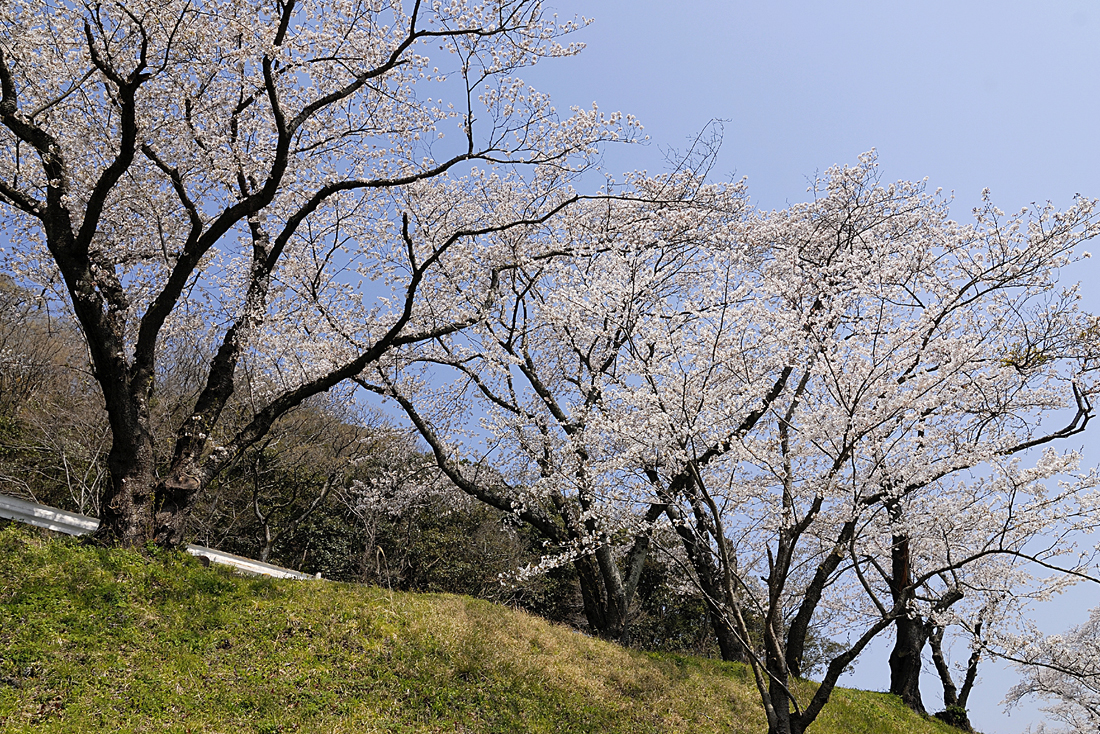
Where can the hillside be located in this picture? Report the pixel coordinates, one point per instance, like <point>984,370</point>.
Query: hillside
<point>94,640</point>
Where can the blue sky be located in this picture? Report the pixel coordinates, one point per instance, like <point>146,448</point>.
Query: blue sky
<point>970,94</point>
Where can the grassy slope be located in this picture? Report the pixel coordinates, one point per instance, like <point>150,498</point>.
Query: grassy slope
<point>94,640</point>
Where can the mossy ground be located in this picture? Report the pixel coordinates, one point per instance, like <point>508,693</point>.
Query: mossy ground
<point>95,640</point>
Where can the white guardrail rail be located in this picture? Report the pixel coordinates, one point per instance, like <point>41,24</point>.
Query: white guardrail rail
<point>71,523</point>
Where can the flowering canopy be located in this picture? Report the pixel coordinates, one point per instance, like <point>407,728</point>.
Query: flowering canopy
<point>828,398</point>
<point>297,185</point>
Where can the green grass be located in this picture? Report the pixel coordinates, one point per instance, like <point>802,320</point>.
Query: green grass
<point>96,640</point>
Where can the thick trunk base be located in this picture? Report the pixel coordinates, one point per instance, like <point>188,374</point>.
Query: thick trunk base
<point>728,643</point>
<point>604,619</point>
<point>955,716</point>
<point>905,662</point>
<point>174,497</point>
<point>126,512</point>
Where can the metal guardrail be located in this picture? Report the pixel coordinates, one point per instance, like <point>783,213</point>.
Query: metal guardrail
<point>71,523</point>
<point>46,517</point>
<point>247,564</point>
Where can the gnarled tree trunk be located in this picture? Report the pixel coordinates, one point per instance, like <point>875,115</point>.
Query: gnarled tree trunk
<point>905,661</point>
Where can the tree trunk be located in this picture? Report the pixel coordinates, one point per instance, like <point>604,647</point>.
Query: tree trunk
<point>707,572</point>
<point>785,722</point>
<point>729,645</point>
<point>954,704</point>
<point>596,613</point>
<point>126,510</point>
<point>905,661</point>
<point>911,631</point>
<point>174,496</point>
<point>265,550</point>
<point>950,692</point>
<point>615,601</point>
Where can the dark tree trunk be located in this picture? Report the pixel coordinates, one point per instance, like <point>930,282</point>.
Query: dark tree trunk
<point>954,702</point>
<point>174,498</point>
<point>607,596</point>
<point>905,661</point>
<point>911,631</point>
<point>706,570</point>
<point>126,511</point>
<point>598,613</point>
<point>799,628</point>
<point>728,643</point>
<point>786,721</point>
<point>136,507</point>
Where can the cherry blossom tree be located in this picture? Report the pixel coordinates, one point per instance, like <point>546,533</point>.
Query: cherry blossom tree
<point>296,186</point>
<point>808,397</point>
<point>536,371</point>
<point>981,551</point>
<point>813,426</point>
<point>1063,669</point>
<point>809,400</point>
